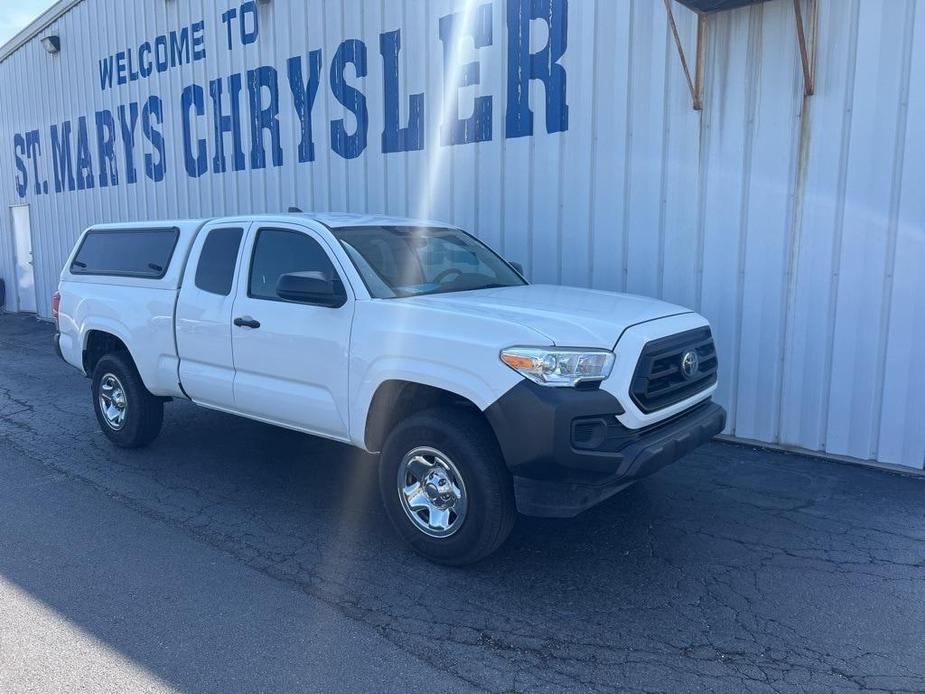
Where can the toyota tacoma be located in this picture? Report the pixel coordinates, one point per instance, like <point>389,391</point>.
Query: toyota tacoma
<point>482,394</point>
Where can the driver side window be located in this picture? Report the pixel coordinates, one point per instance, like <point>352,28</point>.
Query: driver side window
<point>279,252</point>
<point>443,257</point>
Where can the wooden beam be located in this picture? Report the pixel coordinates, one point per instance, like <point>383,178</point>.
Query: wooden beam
<point>807,47</point>
<point>698,70</point>
<point>695,84</point>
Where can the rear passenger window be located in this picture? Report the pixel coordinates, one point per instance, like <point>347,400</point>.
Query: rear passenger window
<point>129,253</point>
<point>215,272</point>
<point>278,252</point>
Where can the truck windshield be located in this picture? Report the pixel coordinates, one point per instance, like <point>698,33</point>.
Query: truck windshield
<point>411,261</point>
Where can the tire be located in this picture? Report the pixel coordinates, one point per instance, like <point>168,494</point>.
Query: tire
<point>116,380</point>
<point>461,448</point>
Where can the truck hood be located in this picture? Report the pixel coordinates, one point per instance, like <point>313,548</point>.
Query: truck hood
<point>567,316</point>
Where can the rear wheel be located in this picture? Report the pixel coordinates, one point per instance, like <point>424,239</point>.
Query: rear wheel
<point>127,413</point>
<point>445,486</point>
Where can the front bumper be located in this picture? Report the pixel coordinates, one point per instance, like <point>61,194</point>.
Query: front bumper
<point>567,451</point>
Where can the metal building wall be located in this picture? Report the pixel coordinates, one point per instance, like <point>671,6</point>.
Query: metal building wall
<point>797,228</point>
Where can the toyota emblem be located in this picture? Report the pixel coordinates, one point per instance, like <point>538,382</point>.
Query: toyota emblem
<point>690,364</point>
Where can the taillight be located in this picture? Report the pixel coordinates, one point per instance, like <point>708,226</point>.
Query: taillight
<point>55,305</point>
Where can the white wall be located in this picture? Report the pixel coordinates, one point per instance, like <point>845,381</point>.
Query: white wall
<point>797,229</point>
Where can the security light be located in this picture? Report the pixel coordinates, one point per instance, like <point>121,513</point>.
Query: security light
<point>52,43</point>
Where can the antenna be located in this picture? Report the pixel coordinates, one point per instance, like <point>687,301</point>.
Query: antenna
<point>295,210</point>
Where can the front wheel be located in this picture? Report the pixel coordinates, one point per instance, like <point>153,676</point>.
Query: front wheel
<point>445,486</point>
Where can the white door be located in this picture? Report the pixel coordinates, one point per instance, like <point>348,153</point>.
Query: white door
<point>22,252</point>
<point>204,316</point>
<point>290,358</point>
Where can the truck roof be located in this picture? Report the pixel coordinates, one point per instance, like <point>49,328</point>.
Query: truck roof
<point>332,220</point>
<point>188,229</point>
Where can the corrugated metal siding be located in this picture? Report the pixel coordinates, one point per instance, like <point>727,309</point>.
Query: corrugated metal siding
<point>797,228</point>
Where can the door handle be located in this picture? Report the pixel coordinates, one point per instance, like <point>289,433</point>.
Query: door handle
<point>246,322</point>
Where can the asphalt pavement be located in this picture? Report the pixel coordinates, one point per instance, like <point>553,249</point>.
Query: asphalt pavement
<point>233,556</point>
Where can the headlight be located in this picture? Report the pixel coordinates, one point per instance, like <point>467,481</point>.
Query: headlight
<point>552,366</point>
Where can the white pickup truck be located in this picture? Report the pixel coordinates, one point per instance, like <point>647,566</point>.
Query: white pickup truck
<point>484,395</point>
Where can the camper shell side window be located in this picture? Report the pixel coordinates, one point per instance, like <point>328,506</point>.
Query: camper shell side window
<point>142,253</point>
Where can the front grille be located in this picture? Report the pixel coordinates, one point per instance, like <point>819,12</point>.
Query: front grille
<point>660,381</point>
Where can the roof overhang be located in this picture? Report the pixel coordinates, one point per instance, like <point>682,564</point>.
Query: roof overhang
<point>706,6</point>
<point>806,27</point>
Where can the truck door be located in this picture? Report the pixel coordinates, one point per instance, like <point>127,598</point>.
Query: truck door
<point>290,356</point>
<point>203,322</point>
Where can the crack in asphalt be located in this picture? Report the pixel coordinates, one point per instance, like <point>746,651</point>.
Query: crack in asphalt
<point>734,570</point>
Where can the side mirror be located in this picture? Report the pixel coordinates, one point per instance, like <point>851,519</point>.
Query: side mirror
<point>311,288</point>
<point>518,267</point>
